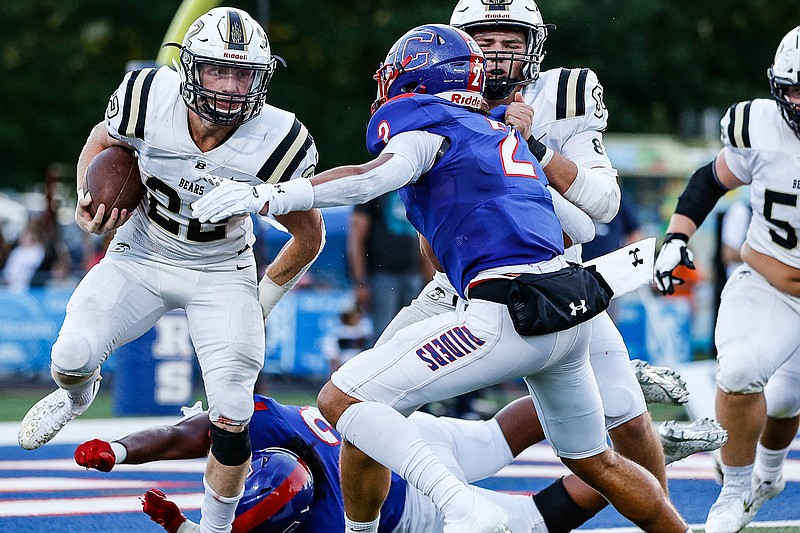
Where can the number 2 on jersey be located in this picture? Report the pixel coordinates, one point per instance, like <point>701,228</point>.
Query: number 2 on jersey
<point>508,147</point>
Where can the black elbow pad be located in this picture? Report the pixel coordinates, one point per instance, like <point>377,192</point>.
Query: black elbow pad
<point>700,195</point>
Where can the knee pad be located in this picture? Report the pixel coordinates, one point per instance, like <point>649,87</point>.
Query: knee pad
<point>740,375</point>
<point>229,448</point>
<point>73,355</point>
<point>782,402</point>
<point>621,404</point>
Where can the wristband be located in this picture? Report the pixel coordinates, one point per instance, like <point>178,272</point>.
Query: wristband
<point>295,195</point>
<point>120,453</point>
<point>542,153</point>
<point>673,236</point>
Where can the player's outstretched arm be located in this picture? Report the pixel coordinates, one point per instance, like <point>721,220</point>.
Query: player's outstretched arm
<point>188,439</point>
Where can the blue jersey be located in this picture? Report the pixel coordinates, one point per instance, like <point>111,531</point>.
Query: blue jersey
<point>484,204</point>
<point>303,431</point>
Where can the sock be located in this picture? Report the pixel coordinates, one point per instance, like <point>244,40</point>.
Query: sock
<point>560,512</point>
<point>217,511</point>
<point>769,463</point>
<point>390,439</point>
<point>361,527</point>
<point>737,476</point>
<point>81,398</point>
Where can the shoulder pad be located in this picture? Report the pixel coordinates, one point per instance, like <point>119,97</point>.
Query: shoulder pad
<point>572,99</point>
<point>129,102</point>
<point>288,154</point>
<point>399,114</point>
<point>755,124</point>
<point>735,125</point>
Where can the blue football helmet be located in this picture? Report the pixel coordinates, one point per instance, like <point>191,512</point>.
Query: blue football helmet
<point>433,59</point>
<point>277,493</point>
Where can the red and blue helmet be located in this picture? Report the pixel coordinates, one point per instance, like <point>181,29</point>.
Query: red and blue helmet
<point>434,59</point>
<point>277,493</point>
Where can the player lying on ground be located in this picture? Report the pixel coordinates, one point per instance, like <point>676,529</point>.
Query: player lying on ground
<point>303,432</point>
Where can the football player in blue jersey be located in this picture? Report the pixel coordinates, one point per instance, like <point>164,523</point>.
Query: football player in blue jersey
<point>474,190</point>
<point>296,449</point>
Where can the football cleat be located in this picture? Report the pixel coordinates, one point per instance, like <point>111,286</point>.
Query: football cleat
<point>660,384</point>
<point>682,439</point>
<point>486,517</point>
<point>165,512</point>
<point>761,491</point>
<point>729,512</point>
<point>48,416</point>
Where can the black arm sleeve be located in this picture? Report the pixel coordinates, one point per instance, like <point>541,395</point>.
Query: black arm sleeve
<point>700,195</point>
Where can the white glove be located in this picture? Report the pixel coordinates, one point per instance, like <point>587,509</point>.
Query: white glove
<point>229,198</point>
<point>673,253</point>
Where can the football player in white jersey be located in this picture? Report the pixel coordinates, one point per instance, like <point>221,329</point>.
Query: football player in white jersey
<point>562,113</point>
<point>758,327</point>
<point>208,119</point>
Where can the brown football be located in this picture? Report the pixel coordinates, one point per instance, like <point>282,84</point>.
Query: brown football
<point>113,179</point>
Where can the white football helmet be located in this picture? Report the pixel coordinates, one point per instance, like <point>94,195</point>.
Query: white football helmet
<point>471,15</point>
<point>230,41</point>
<point>785,73</point>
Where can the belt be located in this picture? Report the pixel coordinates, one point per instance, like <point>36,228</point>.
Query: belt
<point>492,290</point>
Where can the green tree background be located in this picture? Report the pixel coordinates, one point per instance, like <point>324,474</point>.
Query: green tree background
<point>661,62</point>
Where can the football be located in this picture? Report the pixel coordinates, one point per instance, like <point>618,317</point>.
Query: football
<point>113,179</point>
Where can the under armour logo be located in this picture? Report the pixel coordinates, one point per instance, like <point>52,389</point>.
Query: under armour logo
<point>278,189</point>
<point>636,259</point>
<point>200,165</point>
<point>575,308</point>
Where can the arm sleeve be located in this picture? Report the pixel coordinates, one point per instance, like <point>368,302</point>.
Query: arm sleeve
<point>575,223</point>
<point>595,189</point>
<point>415,154</point>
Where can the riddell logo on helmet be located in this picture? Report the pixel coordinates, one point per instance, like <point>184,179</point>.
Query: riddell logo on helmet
<point>497,16</point>
<point>472,100</point>
<point>234,55</point>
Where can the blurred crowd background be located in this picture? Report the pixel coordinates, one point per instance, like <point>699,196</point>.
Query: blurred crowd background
<point>669,68</point>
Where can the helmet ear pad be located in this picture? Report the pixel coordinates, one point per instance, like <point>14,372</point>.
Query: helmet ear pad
<point>278,493</point>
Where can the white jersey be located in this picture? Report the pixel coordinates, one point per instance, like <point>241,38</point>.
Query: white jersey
<point>569,116</point>
<point>148,112</point>
<point>761,150</point>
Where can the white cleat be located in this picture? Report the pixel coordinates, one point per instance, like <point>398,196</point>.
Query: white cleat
<point>762,491</point>
<point>50,414</point>
<point>729,513</point>
<point>682,439</point>
<point>486,517</point>
<point>660,384</point>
